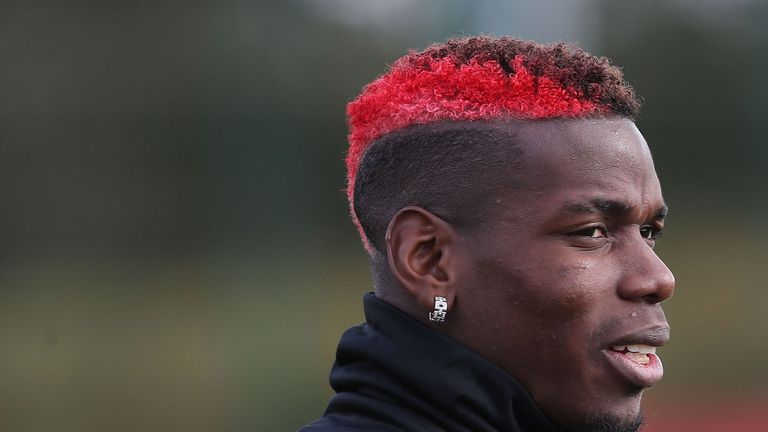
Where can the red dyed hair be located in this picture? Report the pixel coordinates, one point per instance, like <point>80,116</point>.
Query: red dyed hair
<point>482,78</point>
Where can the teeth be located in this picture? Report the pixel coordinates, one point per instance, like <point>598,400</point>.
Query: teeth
<point>638,357</point>
<point>619,348</point>
<point>643,349</point>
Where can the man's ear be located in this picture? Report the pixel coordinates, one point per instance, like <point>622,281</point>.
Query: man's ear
<point>421,253</point>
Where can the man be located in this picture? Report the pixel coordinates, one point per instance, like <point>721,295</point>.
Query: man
<point>510,208</point>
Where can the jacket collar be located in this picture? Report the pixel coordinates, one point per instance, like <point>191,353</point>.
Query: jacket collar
<point>396,369</point>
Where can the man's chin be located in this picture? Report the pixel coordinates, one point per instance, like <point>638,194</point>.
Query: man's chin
<point>608,423</point>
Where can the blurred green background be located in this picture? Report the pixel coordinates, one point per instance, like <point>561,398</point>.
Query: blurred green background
<point>175,251</point>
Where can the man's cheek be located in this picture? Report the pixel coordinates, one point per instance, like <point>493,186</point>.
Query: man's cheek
<point>576,291</point>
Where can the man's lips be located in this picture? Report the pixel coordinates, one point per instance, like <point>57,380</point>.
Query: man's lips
<point>656,335</point>
<point>633,356</point>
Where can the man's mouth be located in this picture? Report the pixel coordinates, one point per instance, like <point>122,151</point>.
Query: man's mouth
<point>634,357</point>
<point>639,354</point>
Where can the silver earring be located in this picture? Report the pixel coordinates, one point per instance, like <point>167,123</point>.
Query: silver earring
<point>441,309</point>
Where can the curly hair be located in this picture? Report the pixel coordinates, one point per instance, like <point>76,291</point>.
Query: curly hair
<point>467,80</point>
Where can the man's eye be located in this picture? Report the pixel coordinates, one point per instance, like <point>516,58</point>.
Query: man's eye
<point>592,232</point>
<point>650,232</point>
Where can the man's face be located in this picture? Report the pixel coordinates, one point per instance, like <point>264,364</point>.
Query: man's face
<point>563,280</point>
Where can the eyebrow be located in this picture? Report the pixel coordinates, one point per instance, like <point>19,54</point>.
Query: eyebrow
<point>607,206</point>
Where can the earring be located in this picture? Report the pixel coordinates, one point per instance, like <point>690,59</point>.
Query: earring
<point>441,309</point>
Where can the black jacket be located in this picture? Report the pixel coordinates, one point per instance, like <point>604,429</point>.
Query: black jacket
<point>393,373</point>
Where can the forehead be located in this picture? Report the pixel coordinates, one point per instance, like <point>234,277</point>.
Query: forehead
<point>584,159</point>
<point>586,143</point>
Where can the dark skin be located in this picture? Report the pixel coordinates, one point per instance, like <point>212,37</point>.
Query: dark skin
<point>563,271</point>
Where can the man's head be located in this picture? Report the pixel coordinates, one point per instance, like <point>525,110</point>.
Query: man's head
<point>510,178</point>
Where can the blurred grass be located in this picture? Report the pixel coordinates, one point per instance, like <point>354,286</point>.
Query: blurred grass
<point>171,346</point>
<point>717,314</point>
<point>246,343</point>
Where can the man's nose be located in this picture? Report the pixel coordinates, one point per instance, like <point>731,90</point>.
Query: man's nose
<point>645,276</point>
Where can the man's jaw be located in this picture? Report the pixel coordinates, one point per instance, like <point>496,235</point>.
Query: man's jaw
<point>599,423</point>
